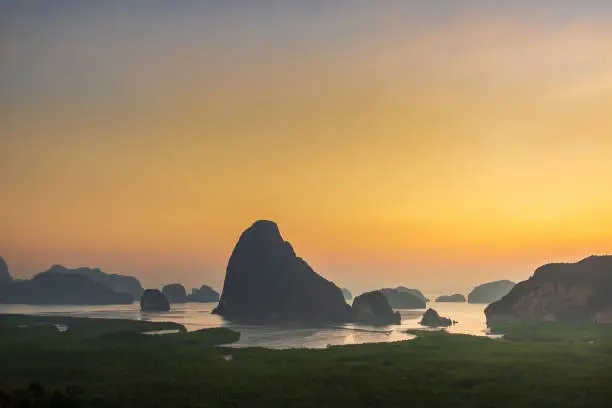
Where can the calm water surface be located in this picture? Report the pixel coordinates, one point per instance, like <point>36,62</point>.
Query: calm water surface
<point>195,316</point>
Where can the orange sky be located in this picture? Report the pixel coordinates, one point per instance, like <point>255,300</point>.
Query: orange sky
<point>392,147</point>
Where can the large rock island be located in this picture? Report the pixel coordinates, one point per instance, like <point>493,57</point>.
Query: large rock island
<point>266,282</point>
<point>578,292</point>
<point>5,276</point>
<point>49,288</point>
<point>490,292</point>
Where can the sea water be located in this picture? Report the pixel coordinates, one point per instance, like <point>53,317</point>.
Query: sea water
<point>195,316</point>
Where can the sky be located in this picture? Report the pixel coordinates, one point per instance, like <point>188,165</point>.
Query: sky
<point>434,144</point>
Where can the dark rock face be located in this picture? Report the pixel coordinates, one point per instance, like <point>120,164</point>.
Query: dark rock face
<point>175,293</point>
<point>415,292</point>
<point>578,292</point>
<point>116,283</point>
<point>58,289</point>
<point>153,300</point>
<point>456,298</point>
<point>373,308</point>
<point>266,282</point>
<point>403,300</point>
<point>431,318</point>
<point>5,276</point>
<point>205,294</point>
<point>346,293</point>
<point>490,292</point>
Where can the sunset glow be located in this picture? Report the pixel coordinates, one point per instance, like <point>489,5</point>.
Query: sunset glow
<point>416,143</point>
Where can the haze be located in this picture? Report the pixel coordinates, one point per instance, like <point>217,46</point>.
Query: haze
<point>432,144</point>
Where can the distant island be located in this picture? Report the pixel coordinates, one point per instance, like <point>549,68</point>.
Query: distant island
<point>456,298</point>
<point>373,308</point>
<point>415,292</point>
<point>490,292</point>
<point>114,282</point>
<point>404,299</point>
<point>64,286</point>
<point>175,293</point>
<point>153,300</point>
<point>204,294</point>
<point>50,288</point>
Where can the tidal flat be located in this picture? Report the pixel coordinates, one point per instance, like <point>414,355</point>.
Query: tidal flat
<point>110,363</point>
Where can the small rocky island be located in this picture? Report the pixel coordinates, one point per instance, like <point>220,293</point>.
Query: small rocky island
<point>456,298</point>
<point>431,318</point>
<point>153,300</point>
<point>578,292</point>
<point>175,293</point>
<point>490,292</point>
<point>373,308</point>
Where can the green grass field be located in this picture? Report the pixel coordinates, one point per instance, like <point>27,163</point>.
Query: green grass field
<point>108,363</point>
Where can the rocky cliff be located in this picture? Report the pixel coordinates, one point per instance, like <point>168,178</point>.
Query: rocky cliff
<point>5,276</point>
<point>266,282</point>
<point>578,292</point>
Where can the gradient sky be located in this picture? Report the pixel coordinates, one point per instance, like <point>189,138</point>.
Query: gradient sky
<point>433,144</point>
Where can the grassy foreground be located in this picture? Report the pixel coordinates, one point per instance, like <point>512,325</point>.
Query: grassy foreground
<point>108,363</point>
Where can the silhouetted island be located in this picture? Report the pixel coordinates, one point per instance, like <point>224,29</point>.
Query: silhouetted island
<point>204,294</point>
<point>431,318</point>
<point>266,282</point>
<point>346,293</point>
<point>415,292</point>
<point>456,298</point>
<point>403,299</point>
<point>5,276</point>
<point>490,292</point>
<point>114,282</point>
<point>153,300</point>
<point>175,293</point>
<point>578,292</point>
<point>48,288</point>
<point>373,308</point>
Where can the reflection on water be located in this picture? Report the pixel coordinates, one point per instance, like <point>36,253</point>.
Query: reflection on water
<point>195,316</point>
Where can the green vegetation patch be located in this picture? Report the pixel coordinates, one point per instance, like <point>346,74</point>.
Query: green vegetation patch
<point>436,369</point>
